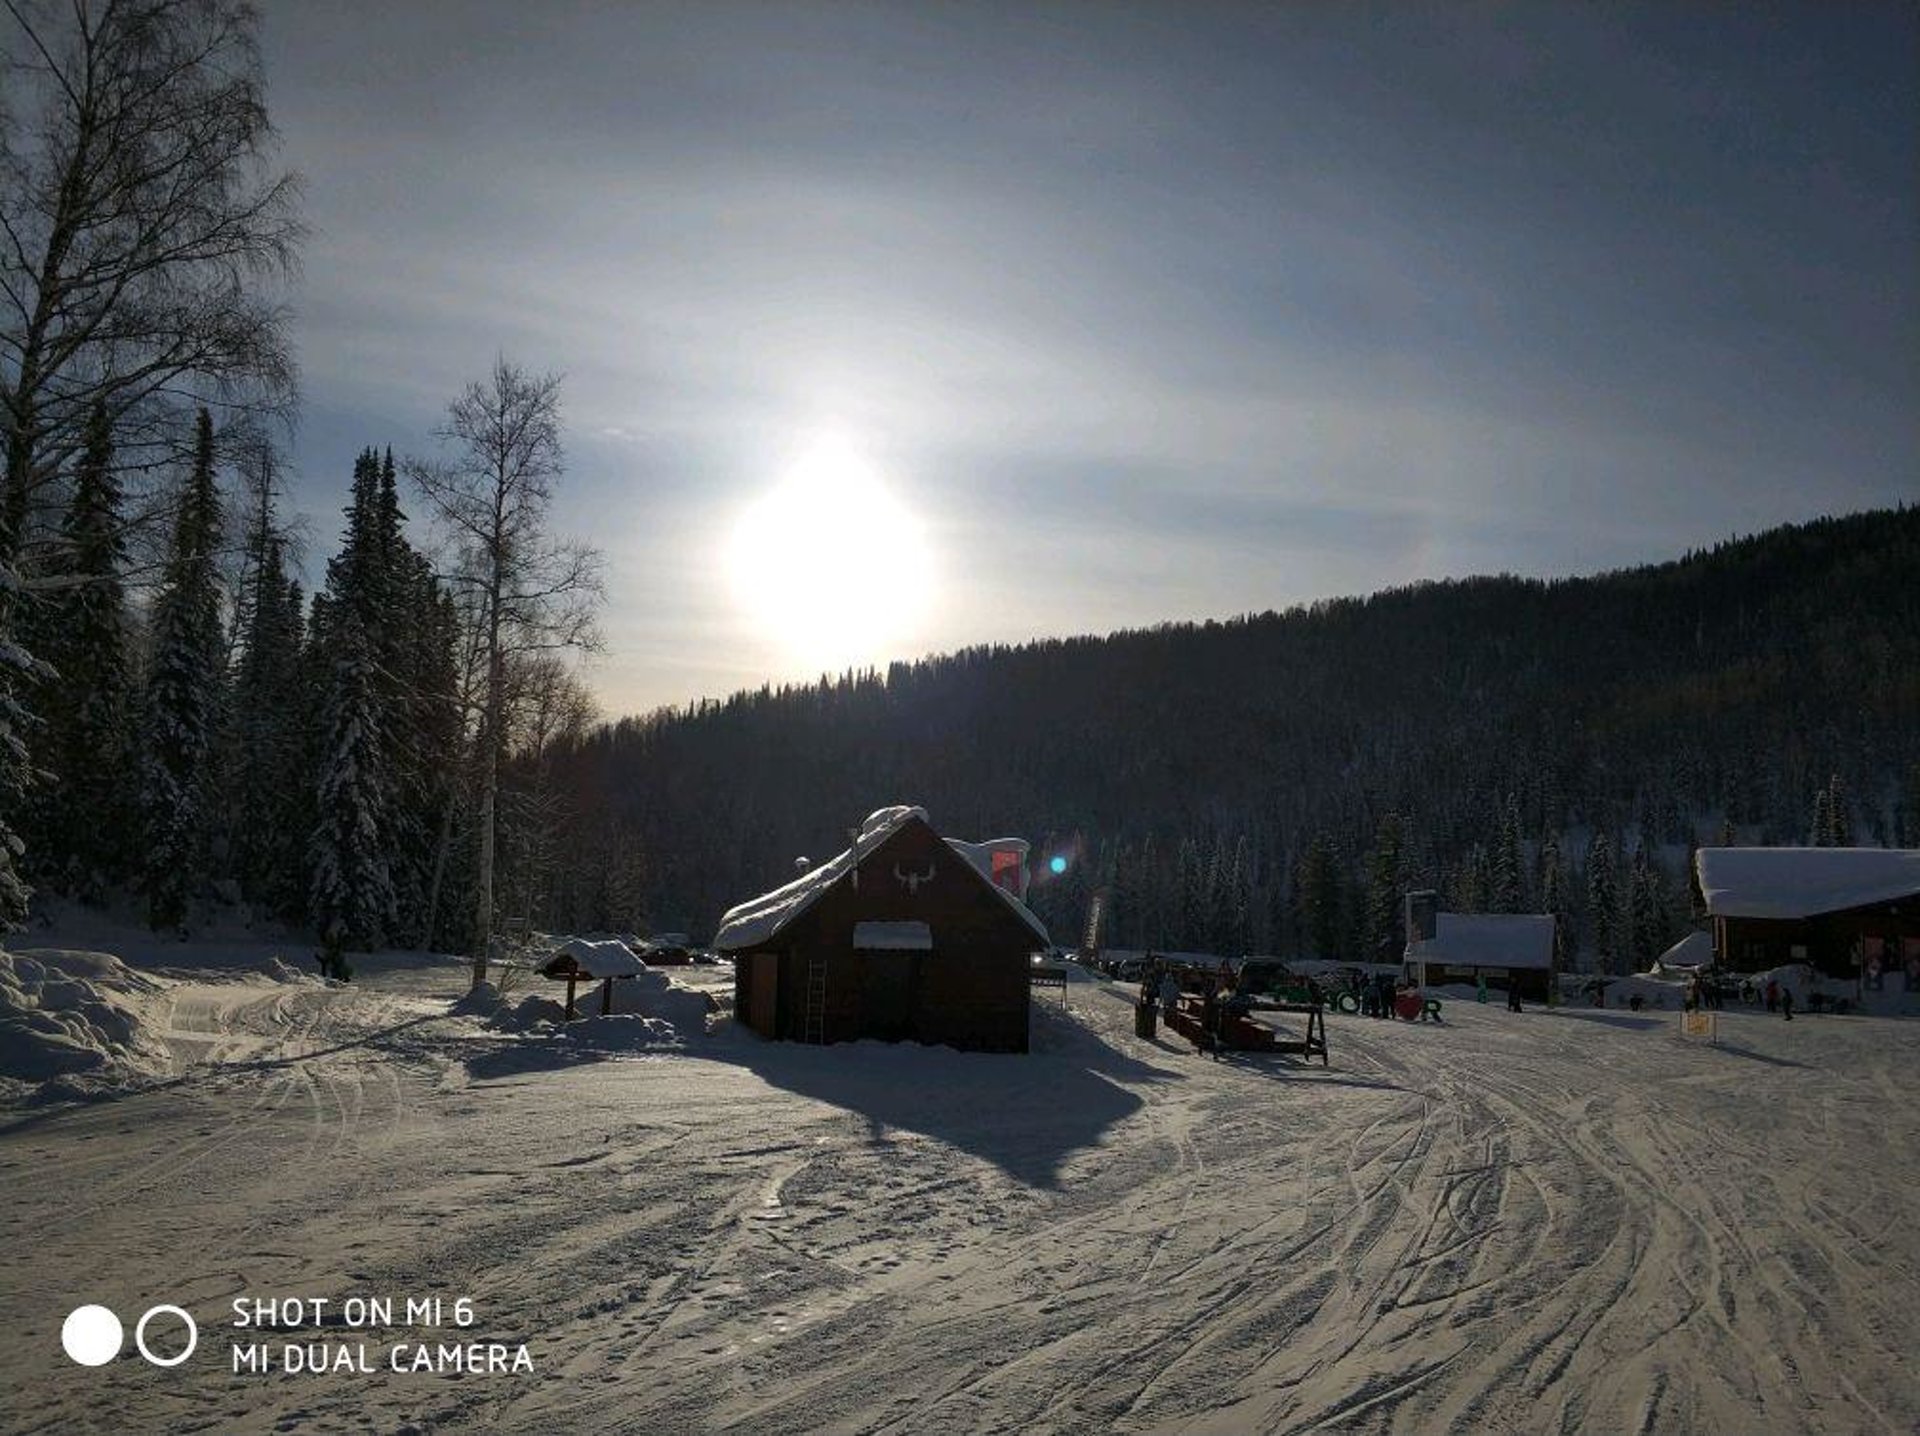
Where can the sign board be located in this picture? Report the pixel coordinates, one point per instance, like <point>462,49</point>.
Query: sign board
<point>1423,909</point>
<point>1699,1023</point>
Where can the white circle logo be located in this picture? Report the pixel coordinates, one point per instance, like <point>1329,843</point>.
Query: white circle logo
<point>140,1335</point>
<point>91,1335</point>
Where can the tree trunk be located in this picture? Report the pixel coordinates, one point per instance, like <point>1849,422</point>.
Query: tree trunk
<point>489,791</point>
<point>439,871</point>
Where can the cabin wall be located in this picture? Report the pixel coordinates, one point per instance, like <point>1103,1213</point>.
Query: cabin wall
<point>969,991</point>
<point>1828,943</point>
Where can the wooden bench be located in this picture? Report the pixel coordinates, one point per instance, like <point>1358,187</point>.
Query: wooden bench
<point>1240,1033</point>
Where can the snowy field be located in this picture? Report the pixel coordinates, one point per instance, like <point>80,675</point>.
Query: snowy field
<point>1571,1221</point>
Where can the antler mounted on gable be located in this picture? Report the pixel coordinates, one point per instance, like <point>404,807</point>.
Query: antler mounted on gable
<point>912,881</point>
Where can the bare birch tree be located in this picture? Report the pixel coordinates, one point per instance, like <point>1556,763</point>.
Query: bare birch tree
<point>143,229</point>
<point>531,591</point>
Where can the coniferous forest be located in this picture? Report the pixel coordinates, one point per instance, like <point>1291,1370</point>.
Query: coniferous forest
<point>1274,782</point>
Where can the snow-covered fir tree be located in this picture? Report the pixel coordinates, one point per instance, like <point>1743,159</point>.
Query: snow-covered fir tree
<point>18,671</point>
<point>1505,885</point>
<point>1237,899</point>
<point>351,893</point>
<point>1385,886</point>
<point>271,765</point>
<point>1321,900</point>
<point>1190,897</point>
<point>1603,903</point>
<point>88,708</point>
<point>1838,829</point>
<point>1646,908</point>
<point>1820,830</point>
<point>182,700</point>
<point>1553,897</point>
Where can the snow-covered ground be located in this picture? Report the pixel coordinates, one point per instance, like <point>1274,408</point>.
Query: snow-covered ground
<point>1552,1221</point>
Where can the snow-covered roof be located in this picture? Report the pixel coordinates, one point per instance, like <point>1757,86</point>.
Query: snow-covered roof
<point>893,936</point>
<point>608,958</point>
<point>981,855</point>
<point>759,920</point>
<point>1789,883</point>
<point>1693,950</point>
<point>1488,940</point>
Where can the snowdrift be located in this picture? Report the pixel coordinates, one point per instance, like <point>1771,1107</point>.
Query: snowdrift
<point>76,1018</point>
<point>648,1010</point>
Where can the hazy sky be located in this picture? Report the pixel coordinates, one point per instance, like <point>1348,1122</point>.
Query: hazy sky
<point>1136,312</point>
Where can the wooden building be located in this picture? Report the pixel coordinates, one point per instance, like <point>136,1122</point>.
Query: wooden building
<point>1849,913</point>
<point>906,935</point>
<point>1510,950</point>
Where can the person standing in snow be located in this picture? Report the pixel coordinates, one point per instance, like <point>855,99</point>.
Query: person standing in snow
<point>1513,994</point>
<point>1773,995</point>
<point>1786,1002</point>
<point>1169,994</point>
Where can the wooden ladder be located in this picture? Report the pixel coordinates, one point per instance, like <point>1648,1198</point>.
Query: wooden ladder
<point>816,1015</point>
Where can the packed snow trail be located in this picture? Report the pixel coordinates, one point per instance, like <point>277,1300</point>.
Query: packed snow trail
<point>1556,1221</point>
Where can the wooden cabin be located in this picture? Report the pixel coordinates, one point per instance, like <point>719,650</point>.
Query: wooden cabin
<point>905,936</point>
<point>1849,913</point>
<point>1510,950</point>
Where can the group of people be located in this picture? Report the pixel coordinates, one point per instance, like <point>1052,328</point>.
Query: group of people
<point>1780,998</point>
<point>1377,993</point>
<point>1701,993</point>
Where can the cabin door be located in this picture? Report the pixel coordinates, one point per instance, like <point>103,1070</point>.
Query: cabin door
<point>763,993</point>
<point>886,1004</point>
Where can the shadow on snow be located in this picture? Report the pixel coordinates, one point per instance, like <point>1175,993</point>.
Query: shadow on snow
<point>1025,1114</point>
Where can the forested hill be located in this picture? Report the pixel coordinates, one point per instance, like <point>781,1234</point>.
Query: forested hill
<point>1650,706</point>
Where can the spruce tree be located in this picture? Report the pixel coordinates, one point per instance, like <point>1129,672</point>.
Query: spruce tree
<point>351,893</point>
<point>1839,826</point>
<point>1238,899</point>
<point>271,752</point>
<point>18,671</point>
<point>357,632</point>
<point>1385,885</point>
<point>1820,830</point>
<point>1553,897</point>
<point>182,700</point>
<point>1504,886</point>
<point>1603,902</point>
<point>89,709</point>
<point>1321,900</point>
<point>1191,898</point>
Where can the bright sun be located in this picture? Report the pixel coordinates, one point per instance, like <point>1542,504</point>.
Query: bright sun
<point>829,564</point>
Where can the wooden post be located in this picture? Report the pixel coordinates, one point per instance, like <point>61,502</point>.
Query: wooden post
<point>572,978</point>
<point>606,998</point>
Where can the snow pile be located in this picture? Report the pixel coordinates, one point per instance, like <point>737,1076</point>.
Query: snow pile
<point>655,997</point>
<point>526,1014</point>
<point>68,1015</point>
<point>648,1010</point>
<point>481,1001</point>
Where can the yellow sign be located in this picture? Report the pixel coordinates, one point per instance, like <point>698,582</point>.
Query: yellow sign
<point>1698,1023</point>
